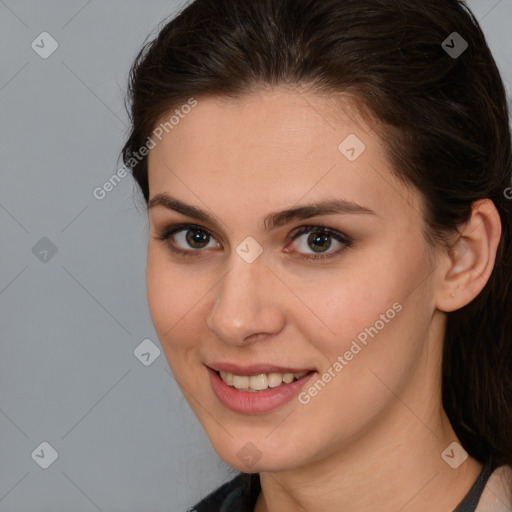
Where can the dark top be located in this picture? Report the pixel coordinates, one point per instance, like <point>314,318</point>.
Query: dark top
<point>241,493</point>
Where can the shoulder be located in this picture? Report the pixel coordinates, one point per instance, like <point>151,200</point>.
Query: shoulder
<point>225,498</point>
<point>497,494</point>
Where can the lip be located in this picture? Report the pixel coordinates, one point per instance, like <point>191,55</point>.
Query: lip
<point>258,402</point>
<point>254,369</point>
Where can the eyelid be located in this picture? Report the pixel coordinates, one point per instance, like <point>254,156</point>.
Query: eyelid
<point>321,228</point>
<point>168,232</point>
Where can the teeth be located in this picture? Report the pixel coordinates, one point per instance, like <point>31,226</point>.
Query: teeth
<point>274,380</point>
<point>259,382</point>
<point>288,377</point>
<point>241,381</point>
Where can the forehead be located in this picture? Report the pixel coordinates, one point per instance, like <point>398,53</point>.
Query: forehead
<point>273,149</point>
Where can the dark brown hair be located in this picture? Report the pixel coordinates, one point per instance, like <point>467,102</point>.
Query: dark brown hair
<point>444,120</point>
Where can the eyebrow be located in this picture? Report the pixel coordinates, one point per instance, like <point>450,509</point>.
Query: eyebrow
<point>272,220</point>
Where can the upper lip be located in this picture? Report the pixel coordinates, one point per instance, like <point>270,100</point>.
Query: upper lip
<point>255,369</point>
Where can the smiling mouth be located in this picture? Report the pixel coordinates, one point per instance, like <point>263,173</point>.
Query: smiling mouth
<point>260,382</point>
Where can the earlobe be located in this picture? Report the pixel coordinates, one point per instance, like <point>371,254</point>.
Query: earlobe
<point>471,257</point>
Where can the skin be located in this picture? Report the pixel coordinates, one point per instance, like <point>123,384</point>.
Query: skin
<point>372,439</point>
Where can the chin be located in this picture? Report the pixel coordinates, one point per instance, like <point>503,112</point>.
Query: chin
<point>250,458</point>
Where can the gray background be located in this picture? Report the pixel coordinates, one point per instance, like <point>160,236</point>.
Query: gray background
<point>71,321</point>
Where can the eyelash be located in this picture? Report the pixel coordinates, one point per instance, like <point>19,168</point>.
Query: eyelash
<point>318,228</point>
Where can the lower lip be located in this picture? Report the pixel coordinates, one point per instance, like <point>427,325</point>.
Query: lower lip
<point>248,402</point>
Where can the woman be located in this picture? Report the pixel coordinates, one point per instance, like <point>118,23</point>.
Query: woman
<point>330,243</point>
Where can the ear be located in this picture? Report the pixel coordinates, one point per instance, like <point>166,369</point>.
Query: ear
<point>468,263</point>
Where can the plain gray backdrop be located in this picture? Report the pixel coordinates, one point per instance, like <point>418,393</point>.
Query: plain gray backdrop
<point>78,392</point>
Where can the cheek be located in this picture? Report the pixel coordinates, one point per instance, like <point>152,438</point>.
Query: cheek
<point>379,298</point>
<point>173,297</point>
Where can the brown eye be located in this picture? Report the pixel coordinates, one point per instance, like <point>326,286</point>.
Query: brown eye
<point>319,240</point>
<point>187,239</point>
<point>196,238</point>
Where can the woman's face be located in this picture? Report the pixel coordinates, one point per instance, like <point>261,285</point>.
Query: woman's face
<point>247,294</point>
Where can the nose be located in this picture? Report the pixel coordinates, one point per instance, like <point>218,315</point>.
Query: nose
<point>247,308</point>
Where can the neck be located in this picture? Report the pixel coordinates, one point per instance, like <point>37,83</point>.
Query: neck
<point>398,469</point>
